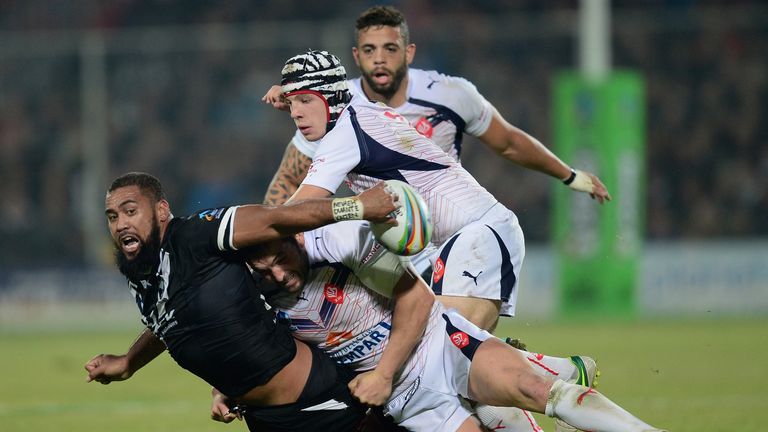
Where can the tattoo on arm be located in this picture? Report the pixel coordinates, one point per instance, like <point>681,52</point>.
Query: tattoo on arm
<point>293,168</point>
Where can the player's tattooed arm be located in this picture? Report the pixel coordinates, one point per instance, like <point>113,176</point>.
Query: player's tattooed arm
<point>293,168</point>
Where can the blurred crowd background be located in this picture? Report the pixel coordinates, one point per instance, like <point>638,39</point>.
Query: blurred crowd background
<point>182,82</point>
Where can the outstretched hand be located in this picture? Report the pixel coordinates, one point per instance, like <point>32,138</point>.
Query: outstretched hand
<point>105,368</point>
<point>585,181</point>
<point>274,97</point>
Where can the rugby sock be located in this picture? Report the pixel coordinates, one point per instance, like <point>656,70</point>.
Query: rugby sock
<point>586,409</point>
<point>506,418</point>
<point>554,367</point>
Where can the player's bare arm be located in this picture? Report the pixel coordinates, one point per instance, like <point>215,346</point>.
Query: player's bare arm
<point>521,148</point>
<point>105,368</point>
<point>413,303</point>
<point>293,168</point>
<point>306,191</point>
<point>260,223</point>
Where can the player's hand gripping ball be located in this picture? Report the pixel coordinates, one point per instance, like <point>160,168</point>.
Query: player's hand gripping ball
<point>414,224</point>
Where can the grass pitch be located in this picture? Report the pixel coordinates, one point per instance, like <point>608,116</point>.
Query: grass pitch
<point>702,376</point>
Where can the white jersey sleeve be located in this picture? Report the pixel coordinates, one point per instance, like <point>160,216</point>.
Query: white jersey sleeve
<point>458,94</point>
<point>337,154</point>
<point>475,109</point>
<point>352,244</point>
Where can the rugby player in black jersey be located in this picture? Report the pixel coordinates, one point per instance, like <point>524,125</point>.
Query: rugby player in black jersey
<point>196,298</point>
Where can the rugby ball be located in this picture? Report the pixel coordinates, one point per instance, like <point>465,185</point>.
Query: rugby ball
<point>414,224</point>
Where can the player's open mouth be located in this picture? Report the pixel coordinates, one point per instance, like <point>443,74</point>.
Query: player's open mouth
<point>129,243</point>
<point>381,77</point>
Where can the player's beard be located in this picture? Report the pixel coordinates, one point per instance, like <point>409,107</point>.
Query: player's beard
<point>388,90</point>
<point>302,260</point>
<point>146,261</point>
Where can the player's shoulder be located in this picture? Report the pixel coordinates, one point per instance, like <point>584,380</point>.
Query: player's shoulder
<point>193,223</point>
<point>431,83</point>
<point>361,103</point>
<point>338,242</point>
<point>364,111</point>
<point>203,228</point>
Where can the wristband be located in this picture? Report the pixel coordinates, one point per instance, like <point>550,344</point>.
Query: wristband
<point>570,178</point>
<point>347,209</point>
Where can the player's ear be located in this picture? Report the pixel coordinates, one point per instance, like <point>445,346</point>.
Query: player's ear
<point>163,211</point>
<point>410,53</point>
<point>354,55</point>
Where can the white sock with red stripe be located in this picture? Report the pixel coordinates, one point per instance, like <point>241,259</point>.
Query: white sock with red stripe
<point>587,409</point>
<point>506,419</point>
<point>554,367</point>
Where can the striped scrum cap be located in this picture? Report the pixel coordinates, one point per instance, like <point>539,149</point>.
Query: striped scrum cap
<point>319,73</point>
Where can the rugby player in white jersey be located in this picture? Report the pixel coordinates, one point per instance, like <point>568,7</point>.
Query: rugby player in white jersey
<point>340,290</point>
<point>480,243</point>
<point>441,107</point>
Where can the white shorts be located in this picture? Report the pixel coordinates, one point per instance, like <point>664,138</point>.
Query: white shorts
<point>432,402</point>
<point>482,260</point>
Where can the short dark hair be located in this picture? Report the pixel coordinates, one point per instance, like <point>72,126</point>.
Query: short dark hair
<point>149,184</point>
<point>382,16</point>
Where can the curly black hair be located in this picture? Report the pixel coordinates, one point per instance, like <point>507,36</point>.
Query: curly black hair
<point>382,16</point>
<point>147,183</point>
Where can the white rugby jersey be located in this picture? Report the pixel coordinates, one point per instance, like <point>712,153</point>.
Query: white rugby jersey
<point>371,142</point>
<point>441,107</point>
<point>336,311</point>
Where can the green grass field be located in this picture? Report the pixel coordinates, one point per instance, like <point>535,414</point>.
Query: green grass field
<point>680,375</point>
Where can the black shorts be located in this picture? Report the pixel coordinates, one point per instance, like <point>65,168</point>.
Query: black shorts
<point>325,404</point>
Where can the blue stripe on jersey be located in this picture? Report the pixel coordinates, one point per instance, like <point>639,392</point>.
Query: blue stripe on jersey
<point>444,113</point>
<point>508,278</point>
<point>383,163</point>
<point>471,347</point>
<point>437,287</point>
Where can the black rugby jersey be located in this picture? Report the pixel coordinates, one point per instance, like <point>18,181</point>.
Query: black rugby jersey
<point>203,304</point>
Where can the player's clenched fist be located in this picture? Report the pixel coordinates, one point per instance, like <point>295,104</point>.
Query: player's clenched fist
<point>105,368</point>
<point>371,388</point>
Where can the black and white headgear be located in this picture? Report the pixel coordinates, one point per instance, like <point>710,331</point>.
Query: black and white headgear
<point>319,73</point>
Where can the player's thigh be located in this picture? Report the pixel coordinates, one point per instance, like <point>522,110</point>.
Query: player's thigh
<point>501,376</point>
<point>483,313</point>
